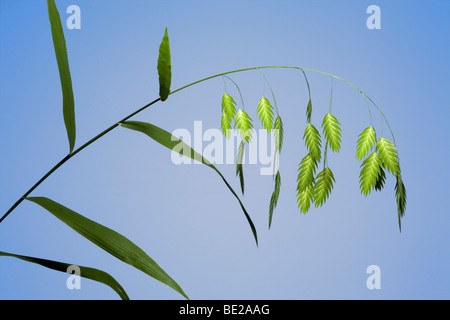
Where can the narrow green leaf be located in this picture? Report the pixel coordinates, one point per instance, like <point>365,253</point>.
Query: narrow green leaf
<point>332,131</point>
<point>322,187</point>
<point>244,125</point>
<point>59,44</point>
<point>306,170</point>
<point>274,197</point>
<point>109,240</point>
<point>239,167</point>
<point>173,143</point>
<point>388,155</point>
<point>265,113</point>
<point>278,134</point>
<point>164,67</point>
<point>366,141</point>
<point>312,141</point>
<point>400,196</point>
<point>370,173</point>
<point>86,272</point>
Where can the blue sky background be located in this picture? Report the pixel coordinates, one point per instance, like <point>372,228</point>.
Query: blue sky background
<point>183,216</point>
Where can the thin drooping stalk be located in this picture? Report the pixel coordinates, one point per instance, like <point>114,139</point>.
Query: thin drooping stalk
<point>273,95</point>
<point>368,108</point>
<point>307,83</point>
<point>239,90</point>
<point>331,94</point>
<point>297,68</point>
<point>69,156</point>
<point>224,84</point>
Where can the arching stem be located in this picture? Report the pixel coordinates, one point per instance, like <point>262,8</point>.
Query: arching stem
<point>239,90</point>
<point>71,155</point>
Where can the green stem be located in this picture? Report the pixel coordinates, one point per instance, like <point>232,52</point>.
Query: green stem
<point>331,95</point>
<point>309,105</point>
<point>64,160</point>
<point>296,68</point>
<point>370,113</point>
<point>273,95</point>
<point>224,84</point>
<point>240,94</point>
<point>69,156</point>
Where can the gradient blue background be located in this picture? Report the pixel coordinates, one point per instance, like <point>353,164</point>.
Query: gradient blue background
<point>183,216</point>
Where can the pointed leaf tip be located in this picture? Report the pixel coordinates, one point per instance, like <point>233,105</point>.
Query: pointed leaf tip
<point>332,131</point>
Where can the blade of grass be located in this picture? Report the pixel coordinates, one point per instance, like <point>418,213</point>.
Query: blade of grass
<point>171,142</point>
<point>109,240</point>
<point>59,43</point>
<point>86,272</point>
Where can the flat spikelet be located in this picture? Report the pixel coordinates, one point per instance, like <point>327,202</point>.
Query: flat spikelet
<point>370,173</point>
<point>244,125</point>
<point>228,114</point>
<point>332,131</point>
<point>239,167</point>
<point>306,171</point>
<point>265,113</point>
<point>322,187</point>
<point>309,111</point>
<point>312,141</point>
<point>388,155</point>
<point>278,134</point>
<point>274,197</point>
<point>400,197</point>
<point>366,141</point>
<point>305,198</point>
<point>379,184</point>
